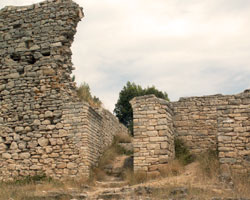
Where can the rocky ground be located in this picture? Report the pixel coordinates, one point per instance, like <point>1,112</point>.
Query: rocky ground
<point>189,184</point>
<point>114,180</point>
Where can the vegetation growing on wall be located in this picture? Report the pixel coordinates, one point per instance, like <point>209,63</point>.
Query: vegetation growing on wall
<point>84,93</point>
<point>123,109</point>
<point>182,152</point>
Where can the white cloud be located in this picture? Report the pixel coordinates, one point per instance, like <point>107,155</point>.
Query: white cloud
<point>182,47</point>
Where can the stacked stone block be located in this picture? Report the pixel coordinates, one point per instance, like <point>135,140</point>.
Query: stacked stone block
<point>44,128</point>
<point>195,121</point>
<point>35,84</point>
<point>153,133</point>
<point>234,134</point>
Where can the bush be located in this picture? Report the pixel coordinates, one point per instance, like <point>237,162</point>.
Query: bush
<point>182,153</point>
<point>123,138</point>
<point>84,94</point>
<point>32,179</point>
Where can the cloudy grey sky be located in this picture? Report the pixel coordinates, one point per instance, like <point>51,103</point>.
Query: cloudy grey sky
<point>186,48</point>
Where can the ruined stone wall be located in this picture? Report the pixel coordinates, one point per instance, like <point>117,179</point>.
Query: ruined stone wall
<point>198,120</point>
<point>195,121</point>
<point>102,126</point>
<point>153,133</point>
<point>44,128</point>
<point>216,122</point>
<point>234,133</point>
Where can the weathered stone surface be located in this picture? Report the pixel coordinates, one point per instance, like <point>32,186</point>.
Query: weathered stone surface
<point>204,123</point>
<point>152,117</point>
<point>25,155</point>
<point>43,142</point>
<point>44,127</point>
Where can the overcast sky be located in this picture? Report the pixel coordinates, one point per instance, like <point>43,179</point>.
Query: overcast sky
<point>186,48</point>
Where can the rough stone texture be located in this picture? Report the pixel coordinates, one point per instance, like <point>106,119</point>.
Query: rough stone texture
<point>195,121</point>
<point>153,133</point>
<point>91,133</point>
<point>216,122</point>
<point>234,133</point>
<point>44,128</point>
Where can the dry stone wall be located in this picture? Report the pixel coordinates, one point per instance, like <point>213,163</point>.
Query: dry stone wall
<point>92,131</point>
<point>216,122</point>
<point>153,133</point>
<point>195,121</point>
<point>234,133</point>
<point>44,128</point>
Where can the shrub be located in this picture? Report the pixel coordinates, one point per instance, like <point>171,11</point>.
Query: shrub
<point>123,138</point>
<point>84,94</point>
<point>182,153</point>
<point>32,179</point>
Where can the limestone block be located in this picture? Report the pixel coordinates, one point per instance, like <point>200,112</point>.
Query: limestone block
<point>43,142</point>
<point>13,146</point>
<point>3,147</point>
<point>25,155</point>
<point>36,167</point>
<point>224,138</point>
<point>46,122</point>
<point>36,122</point>
<point>6,156</point>
<point>48,149</point>
<point>61,165</point>
<point>153,146</point>
<point>19,129</point>
<point>48,114</point>
<point>71,165</point>
<point>52,141</point>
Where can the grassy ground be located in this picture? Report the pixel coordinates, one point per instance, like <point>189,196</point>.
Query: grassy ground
<point>198,177</point>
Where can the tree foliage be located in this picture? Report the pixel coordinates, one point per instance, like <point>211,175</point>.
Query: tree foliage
<point>84,94</point>
<point>123,109</point>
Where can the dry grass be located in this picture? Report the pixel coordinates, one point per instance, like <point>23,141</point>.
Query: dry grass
<point>108,156</point>
<point>173,168</point>
<point>123,138</point>
<point>28,190</point>
<point>209,165</point>
<point>84,94</point>
<point>181,192</point>
<point>133,178</point>
<point>242,184</point>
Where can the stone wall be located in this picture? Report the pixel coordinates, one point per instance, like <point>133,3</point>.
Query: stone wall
<point>216,122</point>
<point>234,133</point>
<point>153,133</point>
<point>44,128</point>
<point>195,121</point>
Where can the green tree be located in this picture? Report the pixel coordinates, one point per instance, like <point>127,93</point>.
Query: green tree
<point>123,109</point>
<point>157,93</point>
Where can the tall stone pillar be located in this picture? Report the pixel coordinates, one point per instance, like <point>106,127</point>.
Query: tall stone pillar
<point>153,133</point>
